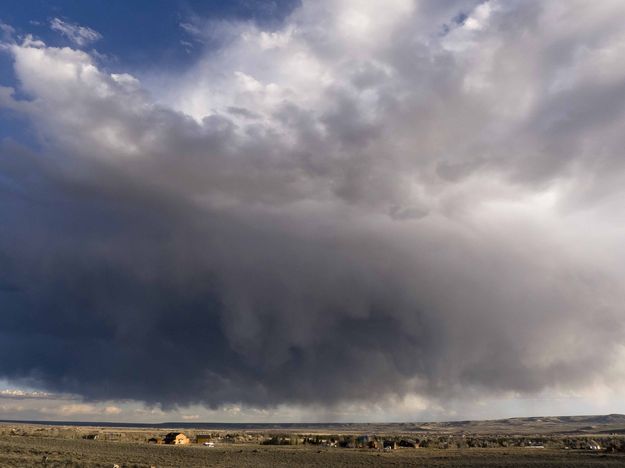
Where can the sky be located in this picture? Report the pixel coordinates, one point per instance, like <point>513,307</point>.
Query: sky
<point>331,210</point>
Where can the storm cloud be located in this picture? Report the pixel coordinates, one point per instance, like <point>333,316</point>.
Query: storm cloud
<point>375,199</point>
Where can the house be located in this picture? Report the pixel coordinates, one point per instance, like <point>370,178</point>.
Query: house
<point>201,438</point>
<point>176,438</point>
<point>593,445</point>
<point>373,444</point>
<point>390,444</point>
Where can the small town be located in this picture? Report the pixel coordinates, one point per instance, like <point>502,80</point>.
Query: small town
<point>388,442</point>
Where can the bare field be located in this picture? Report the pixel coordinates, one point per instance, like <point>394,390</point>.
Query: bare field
<point>27,451</point>
<point>528,442</point>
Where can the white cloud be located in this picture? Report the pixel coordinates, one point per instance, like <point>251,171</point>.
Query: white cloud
<point>79,35</point>
<point>82,409</point>
<point>7,31</point>
<point>23,394</point>
<point>112,410</point>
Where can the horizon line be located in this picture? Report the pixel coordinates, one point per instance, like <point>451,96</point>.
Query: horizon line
<point>220,423</point>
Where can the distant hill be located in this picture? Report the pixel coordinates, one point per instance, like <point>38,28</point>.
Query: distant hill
<point>540,424</point>
<point>600,424</point>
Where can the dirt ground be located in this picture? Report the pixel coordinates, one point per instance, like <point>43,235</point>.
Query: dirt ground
<point>29,451</point>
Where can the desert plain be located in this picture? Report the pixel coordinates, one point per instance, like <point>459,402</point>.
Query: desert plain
<point>583,441</point>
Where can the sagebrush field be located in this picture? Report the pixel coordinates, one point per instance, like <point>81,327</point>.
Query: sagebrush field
<point>524,442</point>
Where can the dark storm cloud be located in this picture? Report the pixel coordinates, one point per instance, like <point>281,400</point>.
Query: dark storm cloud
<point>168,305</point>
<point>390,226</point>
